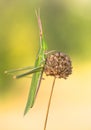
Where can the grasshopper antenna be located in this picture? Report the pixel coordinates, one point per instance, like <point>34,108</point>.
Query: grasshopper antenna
<point>37,12</point>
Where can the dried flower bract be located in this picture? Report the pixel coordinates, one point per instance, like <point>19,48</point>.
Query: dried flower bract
<point>58,64</point>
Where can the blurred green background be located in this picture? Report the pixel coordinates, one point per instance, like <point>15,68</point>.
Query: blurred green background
<point>66,27</point>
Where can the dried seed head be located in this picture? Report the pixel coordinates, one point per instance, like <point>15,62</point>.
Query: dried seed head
<point>58,64</point>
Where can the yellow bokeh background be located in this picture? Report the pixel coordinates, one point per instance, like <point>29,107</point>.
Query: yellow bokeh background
<point>67,28</point>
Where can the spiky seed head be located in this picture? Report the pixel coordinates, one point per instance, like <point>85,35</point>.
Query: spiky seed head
<point>58,64</point>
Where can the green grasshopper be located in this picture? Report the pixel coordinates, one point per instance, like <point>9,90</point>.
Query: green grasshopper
<point>39,63</point>
<point>37,70</point>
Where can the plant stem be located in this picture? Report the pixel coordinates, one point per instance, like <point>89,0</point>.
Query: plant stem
<point>49,103</point>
